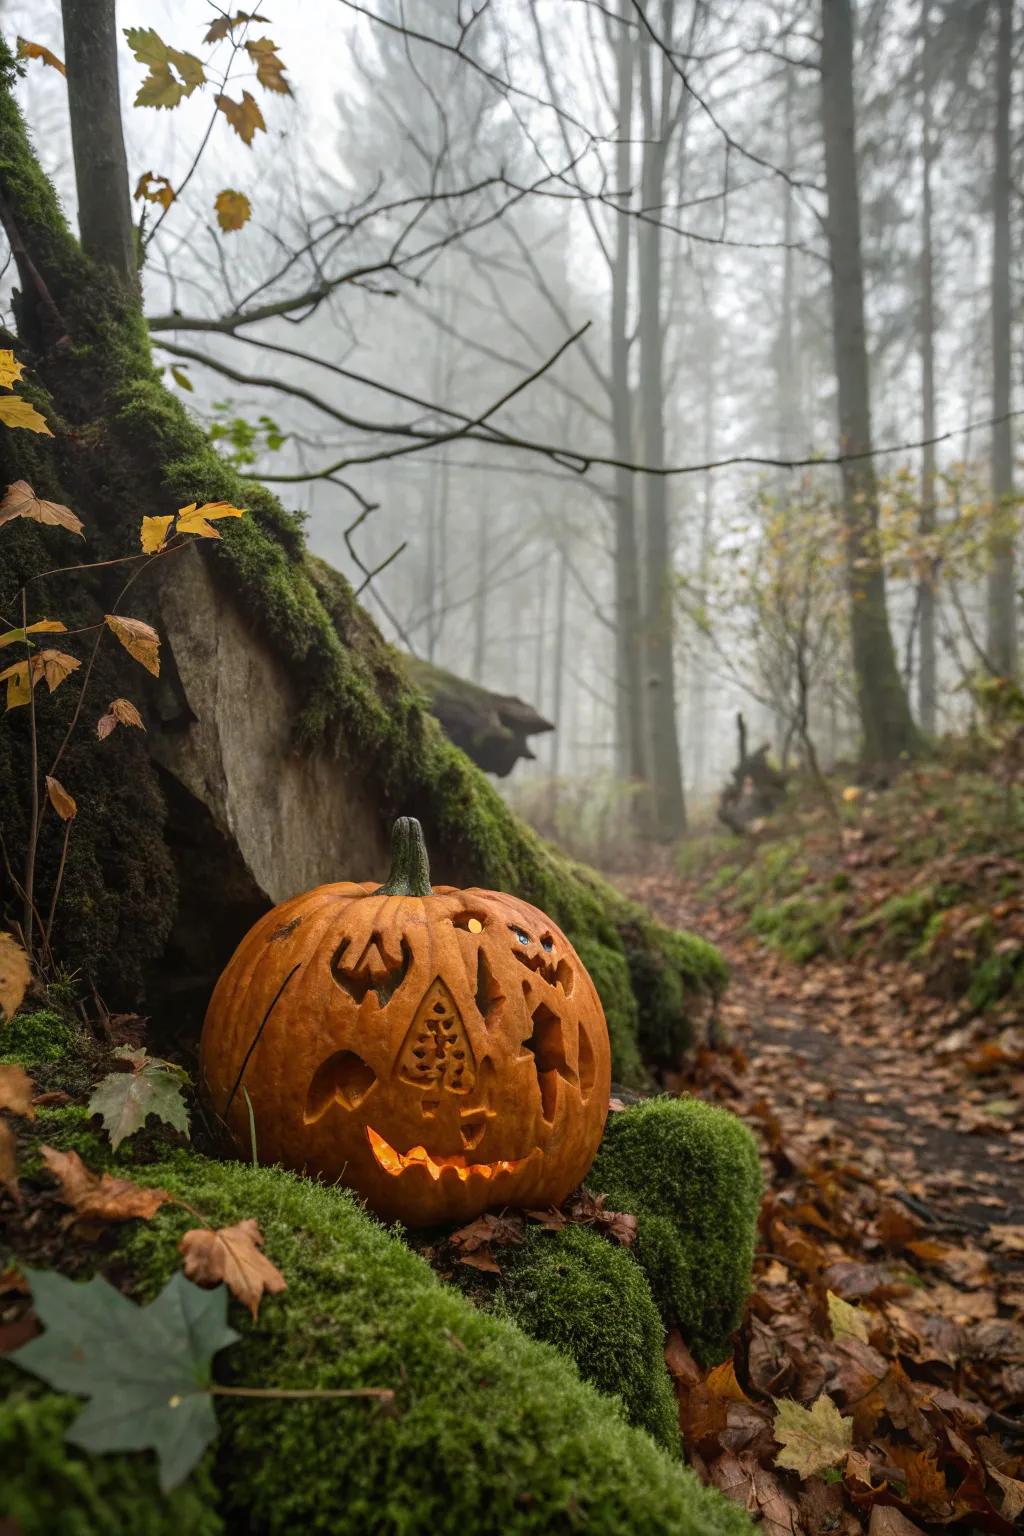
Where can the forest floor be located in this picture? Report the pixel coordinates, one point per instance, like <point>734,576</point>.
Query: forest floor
<point>889,1286</point>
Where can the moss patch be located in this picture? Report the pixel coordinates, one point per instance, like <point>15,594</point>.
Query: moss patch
<point>31,1038</point>
<point>689,1172</point>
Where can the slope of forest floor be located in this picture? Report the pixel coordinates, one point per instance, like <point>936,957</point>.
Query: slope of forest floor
<point>871,1037</point>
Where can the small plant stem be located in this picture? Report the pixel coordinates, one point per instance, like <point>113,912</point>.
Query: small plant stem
<point>381,1394</point>
<point>33,831</point>
<point>57,885</point>
<point>252,1124</point>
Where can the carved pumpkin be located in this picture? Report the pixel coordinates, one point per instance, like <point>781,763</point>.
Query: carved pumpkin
<point>440,1051</point>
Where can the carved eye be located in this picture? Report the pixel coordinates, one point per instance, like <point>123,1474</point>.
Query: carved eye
<point>547,943</point>
<point>524,938</point>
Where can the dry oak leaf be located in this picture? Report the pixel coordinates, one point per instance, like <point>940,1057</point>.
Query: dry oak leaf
<point>812,1439</point>
<point>139,639</point>
<point>27,50</point>
<point>232,1255</point>
<point>42,626</point>
<point>1013,1493</point>
<point>153,534</point>
<point>847,1321</point>
<point>20,500</point>
<point>199,520</point>
<point>9,1162</point>
<point>233,209</point>
<point>55,666</point>
<point>224,24</point>
<point>15,975</point>
<point>121,712</point>
<point>244,116</point>
<point>10,369</point>
<point>100,1199</point>
<point>15,412</point>
<point>269,68</point>
<point>64,804</point>
<point>16,1088</point>
<point>154,189</point>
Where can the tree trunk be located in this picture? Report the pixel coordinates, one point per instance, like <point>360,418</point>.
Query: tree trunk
<point>1002,626</point>
<point>926,695</point>
<point>101,167</point>
<point>886,724</point>
<point>668,809</point>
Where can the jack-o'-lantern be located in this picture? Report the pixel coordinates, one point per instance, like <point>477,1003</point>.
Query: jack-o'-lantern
<point>440,1051</point>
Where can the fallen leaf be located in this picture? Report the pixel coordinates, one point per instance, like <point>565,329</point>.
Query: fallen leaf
<point>244,116</point>
<point>489,1229</point>
<point>20,500</point>
<point>9,1162</point>
<point>1007,1238</point>
<point>16,412</point>
<point>233,209</point>
<point>812,1439</point>
<point>888,1521</point>
<point>139,639</point>
<point>10,369</point>
<point>232,1255</point>
<point>198,520</point>
<point>15,975</point>
<point>154,189</point>
<point>1013,1493</point>
<point>55,666</point>
<point>125,1100</point>
<point>64,804</point>
<point>27,50</point>
<point>95,1198</point>
<point>153,535</point>
<point>845,1320</point>
<point>16,1088</point>
<point>483,1259</point>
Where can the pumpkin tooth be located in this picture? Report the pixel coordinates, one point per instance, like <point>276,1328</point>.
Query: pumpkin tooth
<point>395,1162</point>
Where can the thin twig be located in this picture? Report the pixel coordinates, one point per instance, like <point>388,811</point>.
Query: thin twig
<point>379,1394</point>
<point>256,1038</point>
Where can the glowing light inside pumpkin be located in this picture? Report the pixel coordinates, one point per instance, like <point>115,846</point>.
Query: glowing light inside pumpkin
<point>418,1157</point>
<point>475,925</point>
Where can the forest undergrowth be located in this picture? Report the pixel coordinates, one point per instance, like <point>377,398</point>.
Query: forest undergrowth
<point>871,1038</point>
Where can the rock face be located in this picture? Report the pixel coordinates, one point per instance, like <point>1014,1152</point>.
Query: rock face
<point>225,739</point>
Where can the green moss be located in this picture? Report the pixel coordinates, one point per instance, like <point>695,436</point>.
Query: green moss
<point>802,925</point>
<point>578,1291</point>
<point>31,1038</point>
<point>47,1486</point>
<point>689,1172</point>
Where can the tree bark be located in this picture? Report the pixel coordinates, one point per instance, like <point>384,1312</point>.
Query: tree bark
<point>886,724</point>
<point>926,674</point>
<point>97,137</point>
<point>1002,627</point>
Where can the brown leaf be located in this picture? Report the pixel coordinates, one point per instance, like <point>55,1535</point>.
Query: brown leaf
<point>1013,1493</point>
<point>55,667</point>
<point>232,1255</point>
<point>20,500</point>
<point>489,1229</point>
<point>100,1199</point>
<point>745,1482</point>
<point>139,639</point>
<point>888,1521</point>
<point>16,1089</point>
<point>482,1258</point>
<point>63,803</point>
<point>121,712</point>
<point>154,189</point>
<point>9,1162</point>
<point>224,24</point>
<point>15,975</point>
<point>269,68</point>
<point>244,116</point>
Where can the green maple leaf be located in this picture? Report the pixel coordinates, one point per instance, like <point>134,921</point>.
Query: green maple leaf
<point>145,1370</point>
<point>812,1439</point>
<point>152,1087</point>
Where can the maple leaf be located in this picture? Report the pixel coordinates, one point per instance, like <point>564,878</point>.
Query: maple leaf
<point>121,712</point>
<point>161,88</point>
<point>63,803</point>
<point>199,520</point>
<point>27,50</point>
<point>16,1088</point>
<point>15,975</point>
<point>9,1162</point>
<point>244,116</point>
<point>812,1439</point>
<point>489,1229</point>
<point>95,1198</point>
<point>17,680</point>
<point>139,639</point>
<point>845,1320</point>
<point>10,369</point>
<point>20,500</point>
<point>269,68</point>
<point>225,24</point>
<point>233,209</point>
<point>55,666</point>
<point>145,1370</point>
<point>154,189</point>
<point>42,626</point>
<point>153,534</point>
<point>124,1100</point>
<point>232,1255</point>
<point>15,412</point>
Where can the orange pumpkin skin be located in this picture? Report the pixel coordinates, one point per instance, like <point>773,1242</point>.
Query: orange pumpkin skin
<point>442,1054</point>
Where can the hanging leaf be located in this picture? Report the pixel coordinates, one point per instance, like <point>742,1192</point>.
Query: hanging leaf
<point>244,116</point>
<point>180,376</point>
<point>269,68</point>
<point>63,803</point>
<point>146,1371</point>
<point>153,535</point>
<point>161,88</point>
<point>233,209</point>
<point>15,975</point>
<point>10,369</point>
<point>154,189</point>
<point>16,678</point>
<point>15,412</point>
<point>41,627</point>
<point>20,500</point>
<point>16,1090</point>
<point>225,24</point>
<point>55,666</point>
<point>121,712</point>
<point>139,639</point>
<point>232,1255</point>
<point>93,1198</point>
<point>198,520</point>
<point>812,1439</point>
<point>27,50</point>
<point>124,1100</point>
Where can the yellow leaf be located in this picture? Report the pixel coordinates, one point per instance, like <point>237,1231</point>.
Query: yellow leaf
<point>139,639</point>
<point>147,46</point>
<point>160,87</point>
<point>847,1322</point>
<point>15,975</point>
<point>244,116</point>
<point>42,626</point>
<point>155,189</point>
<point>812,1439</point>
<point>181,378</point>
<point>15,412</point>
<point>225,24</point>
<point>16,678</point>
<point>63,803</point>
<point>154,533</point>
<point>10,369</point>
<point>851,794</point>
<point>27,50</point>
<point>198,520</point>
<point>269,68</point>
<point>20,500</point>
<point>233,209</point>
<point>55,666</point>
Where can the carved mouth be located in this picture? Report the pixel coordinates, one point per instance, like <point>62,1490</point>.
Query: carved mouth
<point>396,1163</point>
<point>555,972</point>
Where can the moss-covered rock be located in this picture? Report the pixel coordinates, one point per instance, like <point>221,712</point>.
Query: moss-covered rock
<point>689,1172</point>
<point>578,1291</point>
<point>32,1038</point>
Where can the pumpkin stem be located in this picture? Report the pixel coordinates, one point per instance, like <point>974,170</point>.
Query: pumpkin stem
<point>410,867</point>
